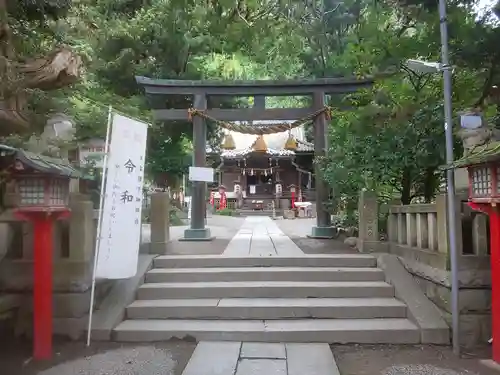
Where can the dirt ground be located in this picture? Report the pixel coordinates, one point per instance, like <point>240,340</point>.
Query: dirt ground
<point>74,358</point>
<point>408,360</point>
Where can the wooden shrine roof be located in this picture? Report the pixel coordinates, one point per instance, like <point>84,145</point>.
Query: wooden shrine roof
<point>43,163</point>
<point>489,152</point>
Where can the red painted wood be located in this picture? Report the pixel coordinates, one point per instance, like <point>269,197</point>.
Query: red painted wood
<point>43,227</point>
<point>494,214</point>
<point>42,290</point>
<point>495,280</point>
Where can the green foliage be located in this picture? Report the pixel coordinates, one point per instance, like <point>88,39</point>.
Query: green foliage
<point>391,137</point>
<point>225,212</point>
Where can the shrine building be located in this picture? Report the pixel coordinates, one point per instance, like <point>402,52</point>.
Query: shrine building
<point>257,169</point>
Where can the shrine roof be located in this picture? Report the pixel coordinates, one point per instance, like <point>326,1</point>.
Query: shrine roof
<point>481,154</point>
<point>43,163</point>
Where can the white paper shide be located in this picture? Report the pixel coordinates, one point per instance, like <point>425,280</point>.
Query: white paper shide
<point>118,249</point>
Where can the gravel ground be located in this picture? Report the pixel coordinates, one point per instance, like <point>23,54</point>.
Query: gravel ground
<point>407,360</point>
<point>102,358</point>
<point>223,228</point>
<point>298,230</point>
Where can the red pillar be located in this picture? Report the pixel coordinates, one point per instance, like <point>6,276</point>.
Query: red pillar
<point>43,228</point>
<point>42,289</point>
<point>495,280</point>
<point>494,215</point>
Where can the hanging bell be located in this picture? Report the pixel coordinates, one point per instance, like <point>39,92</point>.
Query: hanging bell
<point>251,172</point>
<point>291,143</point>
<point>228,143</point>
<point>260,144</point>
<point>265,172</point>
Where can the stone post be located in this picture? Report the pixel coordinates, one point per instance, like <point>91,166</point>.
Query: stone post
<point>480,234</point>
<point>323,228</point>
<point>160,223</point>
<point>442,225</point>
<point>368,221</point>
<point>81,230</point>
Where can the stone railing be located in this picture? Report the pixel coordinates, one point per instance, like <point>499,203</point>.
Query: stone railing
<point>418,235</point>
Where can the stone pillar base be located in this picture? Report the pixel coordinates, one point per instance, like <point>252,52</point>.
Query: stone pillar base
<point>197,235</point>
<point>323,233</point>
<point>159,248</point>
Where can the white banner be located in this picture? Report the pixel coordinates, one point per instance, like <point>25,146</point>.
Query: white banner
<point>121,211</point>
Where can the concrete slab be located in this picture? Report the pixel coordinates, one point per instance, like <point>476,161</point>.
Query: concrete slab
<point>112,309</point>
<point>364,331</point>
<point>311,359</point>
<point>260,236</point>
<point>267,308</point>
<point>422,311</point>
<point>304,260</point>
<point>214,358</point>
<point>264,274</point>
<point>263,350</point>
<point>267,289</point>
<point>262,366</point>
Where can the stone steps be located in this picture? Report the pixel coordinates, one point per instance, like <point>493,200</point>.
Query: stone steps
<point>161,275</point>
<point>341,331</point>
<point>341,298</point>
<point>266,289</point>
<point>304,260</point>
<point>267,308</point>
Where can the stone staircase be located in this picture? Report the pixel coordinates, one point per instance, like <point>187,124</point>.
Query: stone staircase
<point>340,298</point>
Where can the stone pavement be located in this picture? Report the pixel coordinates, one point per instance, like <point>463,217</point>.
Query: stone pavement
<point>236,358</point>
<point>260,236</point>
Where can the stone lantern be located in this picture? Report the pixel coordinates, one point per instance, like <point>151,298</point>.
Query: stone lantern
<point>39,193</point>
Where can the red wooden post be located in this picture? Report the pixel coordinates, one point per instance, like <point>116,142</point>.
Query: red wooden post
<point>495,280</point>
<point>292,192</point>
<point>42,288</point>
<point>43,227</point>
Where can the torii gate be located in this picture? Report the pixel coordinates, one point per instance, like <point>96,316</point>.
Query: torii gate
<point>200,91</point>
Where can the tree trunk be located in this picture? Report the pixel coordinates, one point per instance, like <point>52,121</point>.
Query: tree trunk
<point>429,184</point>
<point>406,186</point>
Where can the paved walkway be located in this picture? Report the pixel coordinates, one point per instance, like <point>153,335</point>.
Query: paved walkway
<point>236,358</point>
<point>260,236</point>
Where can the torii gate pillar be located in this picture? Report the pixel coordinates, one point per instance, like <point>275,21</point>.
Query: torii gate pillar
<point>323,228</point>
<point>197,230</point>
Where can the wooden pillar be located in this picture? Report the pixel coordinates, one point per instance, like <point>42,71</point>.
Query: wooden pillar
<point>259,101</point>
<point>197,230</point>
<point>323,228</point>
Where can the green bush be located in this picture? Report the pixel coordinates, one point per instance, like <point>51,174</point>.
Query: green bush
<point>174,218</point>
<point>225,212</point>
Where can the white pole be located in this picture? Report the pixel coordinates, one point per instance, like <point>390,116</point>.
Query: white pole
<point>99,220</point>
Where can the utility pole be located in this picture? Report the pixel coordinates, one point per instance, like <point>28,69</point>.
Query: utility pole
<point>450,176</point>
